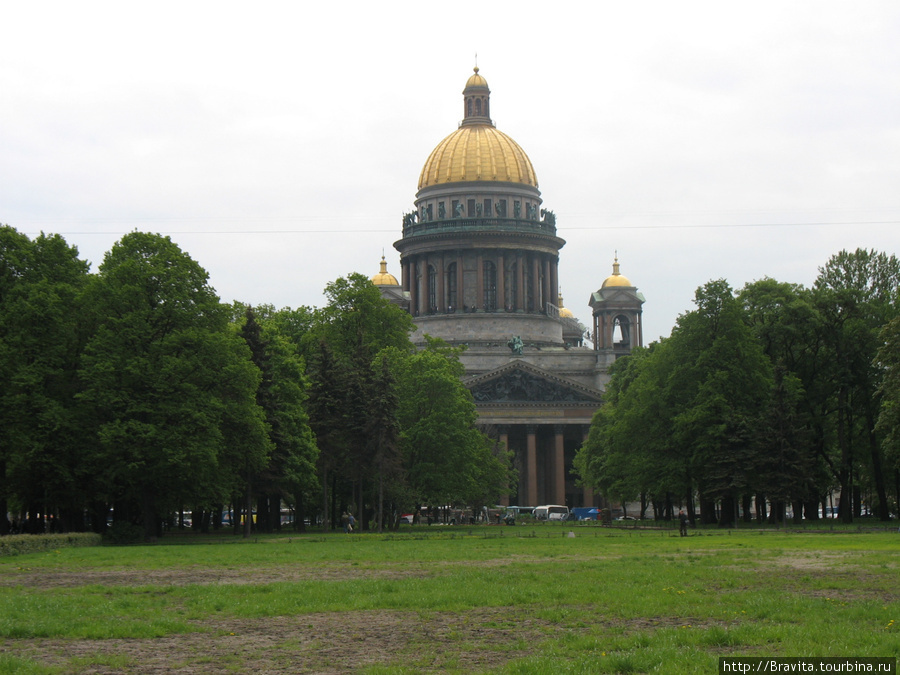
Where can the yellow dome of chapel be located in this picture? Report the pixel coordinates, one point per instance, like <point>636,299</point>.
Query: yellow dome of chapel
<point>384,278</point>
<point>616,279</point>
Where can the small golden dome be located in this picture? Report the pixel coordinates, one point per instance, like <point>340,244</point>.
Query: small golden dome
<point>616,279</point>
<point>476,80</point>
<point>477,152</point>
<point>384,278</point>
<point>563,312</point>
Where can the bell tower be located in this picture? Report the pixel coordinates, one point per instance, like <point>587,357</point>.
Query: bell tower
<point>617,310</point>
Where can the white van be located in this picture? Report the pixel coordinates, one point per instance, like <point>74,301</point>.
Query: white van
<point>551,512</point>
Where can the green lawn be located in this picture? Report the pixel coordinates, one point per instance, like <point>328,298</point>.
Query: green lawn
<point>480,599</point>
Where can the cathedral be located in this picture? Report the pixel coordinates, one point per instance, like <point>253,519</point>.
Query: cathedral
<point>479,261</point>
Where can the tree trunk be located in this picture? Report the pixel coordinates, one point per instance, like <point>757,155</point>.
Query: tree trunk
<point>845,471</point>
<point>324,499</point>
<point>4,506</point>
<point>747,505</point>
<point>248,511</point>
<point>299,512</point>
<point>380,503</point>
<point>726,517</point>
<point>148,514</point>
<point>884,512</point>
<point>761,514</point>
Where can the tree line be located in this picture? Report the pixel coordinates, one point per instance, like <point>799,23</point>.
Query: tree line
<point>133,394</point>
<point>776,396</point>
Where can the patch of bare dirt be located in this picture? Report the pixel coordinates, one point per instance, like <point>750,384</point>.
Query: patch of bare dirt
<point>818,561</point>
<point>50,578</point>
<point>314,643</point>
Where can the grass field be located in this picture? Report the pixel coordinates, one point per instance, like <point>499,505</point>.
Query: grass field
<point>480,599</point>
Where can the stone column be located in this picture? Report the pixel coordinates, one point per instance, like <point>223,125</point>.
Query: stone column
<point>531,464</point>
<point>441,302</point>
<point>536,284</point>
<point>479,281</point>
<point>554,280</point>
<point>546,288</point>
<point>559,465</point>
<point>520,279</point>
<point>413,289</point>
<point>460,276</point>
<point>423,292</point>
<point>501,283</point>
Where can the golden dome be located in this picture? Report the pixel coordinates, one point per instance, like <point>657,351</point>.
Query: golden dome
<point>616,279</point>
<point>476,80</point>
<point>477,153</point>
<point>563,312</point>
<point>384,278</point>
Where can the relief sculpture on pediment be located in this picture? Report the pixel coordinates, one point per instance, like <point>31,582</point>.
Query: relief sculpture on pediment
<point>518,386</point>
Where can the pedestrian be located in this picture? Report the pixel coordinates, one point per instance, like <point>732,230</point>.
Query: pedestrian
<point>682,523</point>
<point>351,523</point>
<point>345,522</point>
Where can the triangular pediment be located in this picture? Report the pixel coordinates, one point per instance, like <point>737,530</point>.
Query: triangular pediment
<point>522,382</point>
<point>616,296</point>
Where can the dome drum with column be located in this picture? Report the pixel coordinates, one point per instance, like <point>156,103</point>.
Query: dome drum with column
<point>478,239</point>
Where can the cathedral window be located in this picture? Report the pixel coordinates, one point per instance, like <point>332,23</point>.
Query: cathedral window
<point>450,284</point>
<point>528,287</point>
<point>490,286</point>
<point>432,289</point>
<point>510,284</point>
<point>471,207</point>
<point>487,208</point>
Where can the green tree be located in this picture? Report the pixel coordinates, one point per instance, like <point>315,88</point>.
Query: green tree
<point>786,322</point>
<point>383,433</point>
<point>448,458</point>
<point>172,388</point>
<point>40,338</point>
<point>341,345</point>
<point>282,396</point>
<point>857,295</point>
<point>678,417</point>
<point>628,450</point>
<point>722,382</point>
<point>889,416</point>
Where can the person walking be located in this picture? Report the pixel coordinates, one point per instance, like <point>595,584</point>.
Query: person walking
<point>682,523</point>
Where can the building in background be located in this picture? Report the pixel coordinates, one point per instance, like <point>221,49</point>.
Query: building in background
<point>479,260</point>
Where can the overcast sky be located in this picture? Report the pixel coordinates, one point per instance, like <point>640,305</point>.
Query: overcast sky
<point>279,143</point>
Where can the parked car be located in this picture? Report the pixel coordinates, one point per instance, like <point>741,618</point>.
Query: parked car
<point>551,512</point>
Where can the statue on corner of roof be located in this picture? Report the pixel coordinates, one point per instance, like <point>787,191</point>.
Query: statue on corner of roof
<point>516,345</point>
